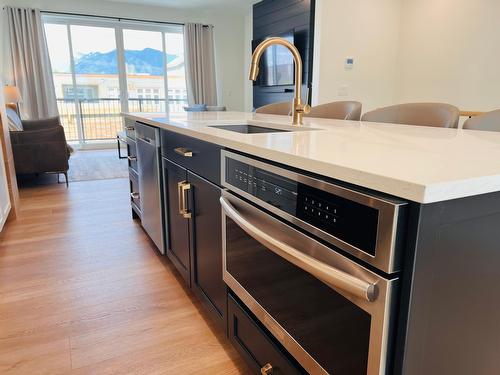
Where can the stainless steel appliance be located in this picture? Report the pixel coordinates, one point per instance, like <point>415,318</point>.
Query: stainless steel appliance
<point>148,161</point>
<point>314,261</point>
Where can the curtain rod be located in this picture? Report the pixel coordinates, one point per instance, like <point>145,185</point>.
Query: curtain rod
<point>113,18</point>
<point>110,17</point>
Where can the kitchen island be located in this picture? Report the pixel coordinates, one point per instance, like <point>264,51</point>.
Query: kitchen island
<point>441,313</point>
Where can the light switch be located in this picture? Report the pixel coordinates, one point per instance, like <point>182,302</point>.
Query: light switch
<point>349,63</point>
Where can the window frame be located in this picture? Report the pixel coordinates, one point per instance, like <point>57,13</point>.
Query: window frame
<point>119,25</point>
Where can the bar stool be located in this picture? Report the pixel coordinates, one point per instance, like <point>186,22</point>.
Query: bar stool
<point>280,108</point>
<point>489,121</point>
<point>421,114</point>
<point>343,110</point>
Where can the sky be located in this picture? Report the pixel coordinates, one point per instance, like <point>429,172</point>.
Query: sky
<point>86,39</point>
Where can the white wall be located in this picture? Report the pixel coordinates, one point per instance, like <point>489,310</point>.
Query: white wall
<point>408,51</point>
<point>229,34</point>
<point>450,52</point>
<point>366,30</point>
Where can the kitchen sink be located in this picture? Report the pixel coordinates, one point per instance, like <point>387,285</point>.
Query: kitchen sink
<point>249,129</point>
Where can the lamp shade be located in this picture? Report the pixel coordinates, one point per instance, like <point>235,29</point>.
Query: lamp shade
<point>12,95</point>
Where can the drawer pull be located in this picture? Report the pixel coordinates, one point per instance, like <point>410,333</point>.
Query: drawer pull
<point>184,152</point>
<point>182,188</point>
<point>129,128</point>
<point>134,195</point>
<point>267,369</point>
<point>132,158</point>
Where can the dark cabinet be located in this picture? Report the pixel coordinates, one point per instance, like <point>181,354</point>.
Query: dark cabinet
<point>255,345</point>
<point>206,245</point>
<point>178,237</point>
<point>194,235</point>
<point>200,157</point>
<point>192,174</point>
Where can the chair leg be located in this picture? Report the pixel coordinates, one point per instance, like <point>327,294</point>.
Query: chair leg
<point>58,181</point>
<point>66,178</point>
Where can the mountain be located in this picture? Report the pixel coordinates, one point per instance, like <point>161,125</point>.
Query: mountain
<point>147,61</point>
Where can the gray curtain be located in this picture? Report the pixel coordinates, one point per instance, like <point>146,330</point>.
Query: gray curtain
<point>27,62</point>
<point>200,64</point>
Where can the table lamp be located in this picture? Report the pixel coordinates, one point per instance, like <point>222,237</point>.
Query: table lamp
<point>12,97</point>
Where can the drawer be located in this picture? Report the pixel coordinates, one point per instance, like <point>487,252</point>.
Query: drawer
<point>254,344</point>
<point>132,154</point>
<point>130,128</point>
<point>203,158</point>
<point>146,133</point>
<point>134,188</point>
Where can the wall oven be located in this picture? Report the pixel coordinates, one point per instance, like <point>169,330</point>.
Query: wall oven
<point>315,262</point>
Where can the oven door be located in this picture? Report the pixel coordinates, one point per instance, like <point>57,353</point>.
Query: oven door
<point>330,313</point>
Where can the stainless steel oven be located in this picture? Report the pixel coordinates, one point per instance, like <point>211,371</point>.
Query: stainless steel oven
<point>281,229</point>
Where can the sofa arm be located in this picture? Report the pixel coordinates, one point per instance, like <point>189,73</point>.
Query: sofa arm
<point>47,123</point>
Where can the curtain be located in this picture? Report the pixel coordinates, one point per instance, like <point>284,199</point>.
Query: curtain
<point>200,64</point>
<point>28,64</point>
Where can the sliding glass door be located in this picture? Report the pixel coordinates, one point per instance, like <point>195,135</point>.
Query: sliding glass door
<point>145,68</point>
<point>104,67</point>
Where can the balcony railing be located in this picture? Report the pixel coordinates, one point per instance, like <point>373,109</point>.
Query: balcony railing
<point>100,118</point>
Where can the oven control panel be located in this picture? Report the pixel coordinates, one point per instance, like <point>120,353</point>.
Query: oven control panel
<point>344,219</point>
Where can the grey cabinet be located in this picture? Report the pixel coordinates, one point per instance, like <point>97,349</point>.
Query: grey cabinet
<point>135,199</point>
<point>148,165</point>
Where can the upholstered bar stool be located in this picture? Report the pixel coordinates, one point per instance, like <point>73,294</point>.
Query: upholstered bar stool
<point>344,110</point>
<point>489,121</point>
<point>280,108</point>
<point>421,114</point>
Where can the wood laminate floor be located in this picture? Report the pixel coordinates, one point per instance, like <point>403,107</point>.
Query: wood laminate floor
<point>83,291</point>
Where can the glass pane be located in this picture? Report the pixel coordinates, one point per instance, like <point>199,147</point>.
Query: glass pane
<point>57,42</point>
<point>176,74</point>
<point>144,64</point>
<point>96,71</point>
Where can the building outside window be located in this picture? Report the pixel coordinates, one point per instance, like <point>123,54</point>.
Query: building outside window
<point>84,92</point>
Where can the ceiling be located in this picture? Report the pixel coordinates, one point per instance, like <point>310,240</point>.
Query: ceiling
<point>237,5</point>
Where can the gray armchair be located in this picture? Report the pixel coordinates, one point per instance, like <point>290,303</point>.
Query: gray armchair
<point>39,146</point>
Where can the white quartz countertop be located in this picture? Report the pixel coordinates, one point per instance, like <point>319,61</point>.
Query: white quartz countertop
<point>422,164</point>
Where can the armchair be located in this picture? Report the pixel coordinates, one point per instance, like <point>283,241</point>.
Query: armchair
<point>39,146</point>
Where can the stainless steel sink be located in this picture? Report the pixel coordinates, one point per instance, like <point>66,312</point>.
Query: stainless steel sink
<point>256,129</point>
<point>249,129</point>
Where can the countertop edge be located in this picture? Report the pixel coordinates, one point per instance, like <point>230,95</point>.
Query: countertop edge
<point>410,191</point>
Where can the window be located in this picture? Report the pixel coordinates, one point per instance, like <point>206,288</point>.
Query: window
<point>92,95</point>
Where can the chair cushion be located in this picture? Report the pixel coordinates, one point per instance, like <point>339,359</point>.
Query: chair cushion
<point>15,123</point>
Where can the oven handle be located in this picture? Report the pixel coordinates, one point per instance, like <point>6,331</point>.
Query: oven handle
<point>333,277</point>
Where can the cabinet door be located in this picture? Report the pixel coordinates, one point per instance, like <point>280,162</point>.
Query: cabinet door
<point>206,246</point>
<point>178,225</point>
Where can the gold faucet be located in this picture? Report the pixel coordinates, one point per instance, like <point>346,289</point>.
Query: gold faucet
<point>298,107</point>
